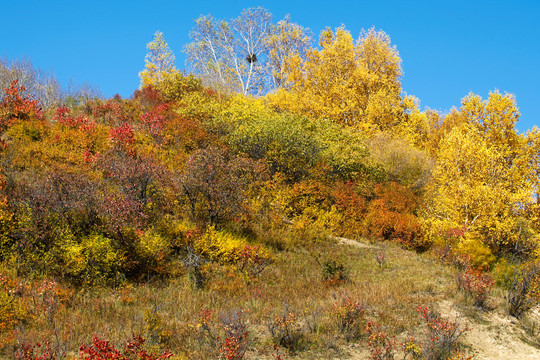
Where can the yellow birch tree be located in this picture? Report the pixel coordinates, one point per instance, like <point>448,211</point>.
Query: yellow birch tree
<point>159,61</point>
<point>484,178</point>
<point>355,84</point>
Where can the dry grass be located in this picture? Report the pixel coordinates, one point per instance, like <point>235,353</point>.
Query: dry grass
<point>167,312</point>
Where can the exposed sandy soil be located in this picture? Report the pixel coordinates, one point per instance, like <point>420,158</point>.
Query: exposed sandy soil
<point>495,335</point>
<point>492,335</point>
<point>355,243</point>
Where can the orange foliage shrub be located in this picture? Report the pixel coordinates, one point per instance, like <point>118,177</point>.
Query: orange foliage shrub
<point>352,204</point>
<point>186,132</point>
<point>310,193</point>
<point>391,215</point>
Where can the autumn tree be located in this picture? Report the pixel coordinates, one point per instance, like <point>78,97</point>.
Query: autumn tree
<point>39,84</point>
<point>17,106</point>
<point>246,54</point>
<point>159,61</point>
<point>215,183</point>
<point>484,175</point>
<point>285,39</point>
<point>77,94</point>
<point>229,55</point>
<point>353,83</point>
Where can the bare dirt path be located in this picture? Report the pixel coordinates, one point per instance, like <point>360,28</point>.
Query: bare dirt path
<point>355,243</point>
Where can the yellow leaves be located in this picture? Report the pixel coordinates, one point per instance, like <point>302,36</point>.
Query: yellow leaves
<point>286,40</point>
<point>356,84</point>
<point>7,223</point>
<point>224,246</point>
<point>467,176</point>
<point>414,127</point>
<point>91,259</point>
<point>485,175</point>
<point>174,85</point>
<point>480,255</point>
<point>159,61</point>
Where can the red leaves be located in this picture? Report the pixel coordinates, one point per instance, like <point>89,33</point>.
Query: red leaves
<point>36,352</point>
<point>381,345</point>
<point>475,284</point>
<point>154,120</point>
<point>133,350</point>
<point>80,122</point>
<point>234,347</point>
<point>18,106</point>
<point>443,335</point>
<point>122,135</point>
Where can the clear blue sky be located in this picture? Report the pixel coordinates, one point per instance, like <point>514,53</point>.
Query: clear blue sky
<point>449,48</point>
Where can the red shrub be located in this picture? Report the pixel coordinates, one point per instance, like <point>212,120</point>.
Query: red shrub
<point>36,352</point>
<point>235,330</point>
<point>381,345</point>
<point>17,105</point>
<point>123,135</point>
<point>154,120</point>
<point>104,350</point>
<point>475,284</point>
<point>442,341</point>
<point>80,122</point>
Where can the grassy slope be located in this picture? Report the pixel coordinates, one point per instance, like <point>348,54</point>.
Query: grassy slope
<point>168,313</point>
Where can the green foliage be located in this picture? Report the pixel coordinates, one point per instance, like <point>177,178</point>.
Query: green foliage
<point>285,142</point>
<point>334,273</point>
<point>293,144</point>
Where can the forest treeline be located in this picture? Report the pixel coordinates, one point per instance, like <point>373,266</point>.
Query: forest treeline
<point>271,140</point>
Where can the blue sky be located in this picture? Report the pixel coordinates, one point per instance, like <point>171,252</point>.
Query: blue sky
<point>449,48</point>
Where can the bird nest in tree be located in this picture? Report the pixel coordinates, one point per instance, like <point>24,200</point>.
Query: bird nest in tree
<point>251,58</point>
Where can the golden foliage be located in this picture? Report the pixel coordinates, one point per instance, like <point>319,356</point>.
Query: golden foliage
<point>159,61</point>
<point>484,177</point>
<point>356,84</point>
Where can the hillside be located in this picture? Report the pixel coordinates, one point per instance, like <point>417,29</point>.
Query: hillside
<point>313,211</point>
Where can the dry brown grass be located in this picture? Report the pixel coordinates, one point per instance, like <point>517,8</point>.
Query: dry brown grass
<point>167,312</point>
